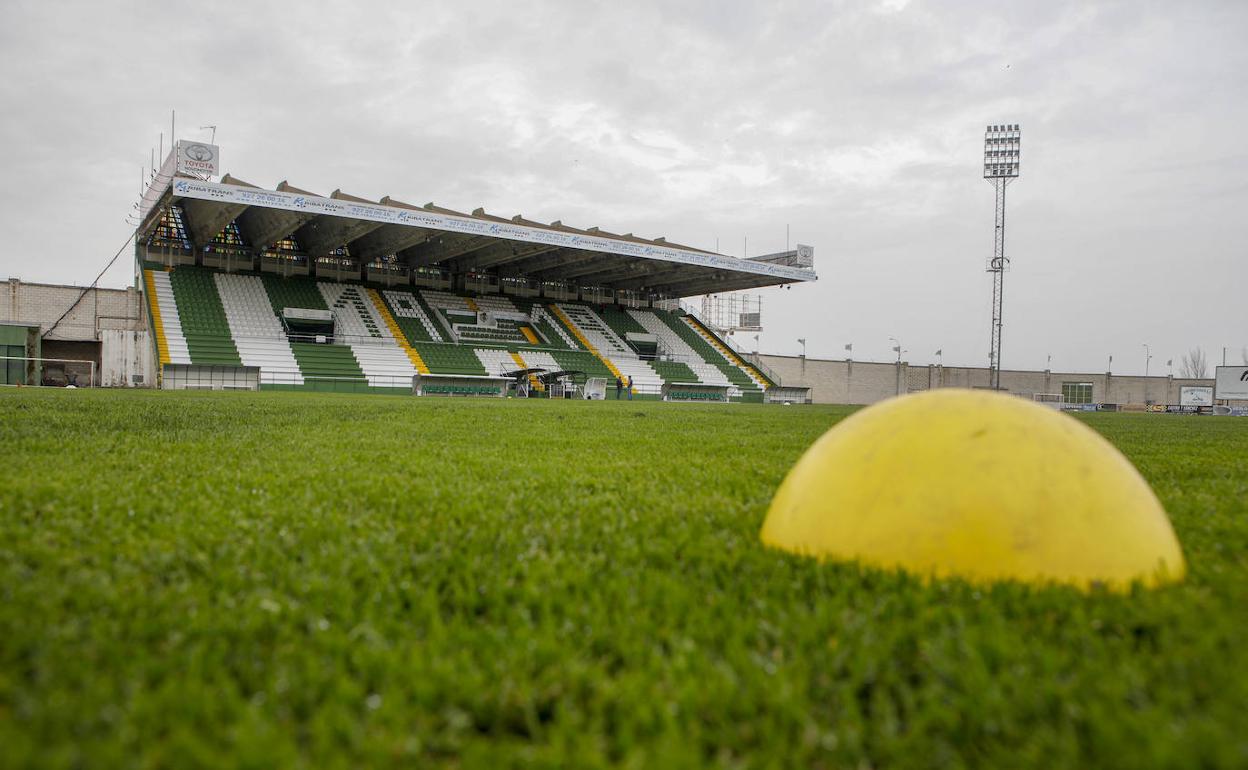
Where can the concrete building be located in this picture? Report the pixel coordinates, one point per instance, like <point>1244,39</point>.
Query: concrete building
<point>76,327</point>
<point>858,382</point>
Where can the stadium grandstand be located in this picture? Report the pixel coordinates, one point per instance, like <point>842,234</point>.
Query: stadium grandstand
<point>284,289</point>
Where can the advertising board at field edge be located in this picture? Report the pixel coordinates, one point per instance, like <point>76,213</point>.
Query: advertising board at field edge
<point>1231,383</point>
<point>1195,395</point>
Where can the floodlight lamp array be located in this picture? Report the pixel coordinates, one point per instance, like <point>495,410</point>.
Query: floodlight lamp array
<point>1002,144</point>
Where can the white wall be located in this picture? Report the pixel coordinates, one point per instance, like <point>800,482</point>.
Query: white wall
<point>126,359</point>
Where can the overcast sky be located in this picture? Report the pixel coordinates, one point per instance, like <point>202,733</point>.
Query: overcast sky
<point>858,125</point>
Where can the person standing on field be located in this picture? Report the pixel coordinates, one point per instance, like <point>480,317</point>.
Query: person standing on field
<point>630,387</point>
<point>618,385</point>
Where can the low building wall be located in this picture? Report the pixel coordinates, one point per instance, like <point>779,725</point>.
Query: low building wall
<point>858,382</point>
<point>106,326</point>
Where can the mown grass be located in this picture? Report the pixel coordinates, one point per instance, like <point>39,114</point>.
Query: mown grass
<point>261,580</point>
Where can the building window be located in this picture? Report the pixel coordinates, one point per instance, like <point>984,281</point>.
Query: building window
<point>1077,392</point>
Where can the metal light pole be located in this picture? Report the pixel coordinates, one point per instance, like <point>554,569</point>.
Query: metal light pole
<point>897,375</point>
<point>1001,159</point>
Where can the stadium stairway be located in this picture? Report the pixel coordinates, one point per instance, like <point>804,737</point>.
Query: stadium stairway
<point>563,318</point>
<point>594,329</point>
<point>731,357</point>
<point>153,312</point>
<point>359,324</point>
<point>399,335</point>
<point>257,332</point>
<point>556,334</point>
<point>750,390</point>
<point>703,372</point>
<point>171,345</point>
<point>598,338</point>
<point>581,361</point>
<point>410,316</point>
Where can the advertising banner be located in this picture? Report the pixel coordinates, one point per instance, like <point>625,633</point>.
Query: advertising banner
<point>1231,382</point>
<point>198,159</point>
<point>375,212</point>
<point>1195,395</point>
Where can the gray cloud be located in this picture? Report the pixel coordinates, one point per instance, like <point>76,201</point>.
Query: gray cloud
<point>857,124</point>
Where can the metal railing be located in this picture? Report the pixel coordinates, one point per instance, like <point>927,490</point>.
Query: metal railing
<point>337,384</point>
<point>756,360</point>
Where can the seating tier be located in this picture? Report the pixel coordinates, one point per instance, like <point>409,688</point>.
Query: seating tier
<point>234,318</point>
<point>202,317</point>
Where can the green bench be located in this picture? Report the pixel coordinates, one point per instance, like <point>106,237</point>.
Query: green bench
<point>462,390</point>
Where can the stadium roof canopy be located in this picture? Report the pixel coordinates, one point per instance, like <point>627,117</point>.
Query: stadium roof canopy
<point>429,235</point>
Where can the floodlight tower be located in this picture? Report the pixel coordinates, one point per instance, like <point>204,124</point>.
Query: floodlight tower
<point>1001,156</point>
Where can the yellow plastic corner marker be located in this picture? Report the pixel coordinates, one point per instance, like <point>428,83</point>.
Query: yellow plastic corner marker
<point>976,485</point>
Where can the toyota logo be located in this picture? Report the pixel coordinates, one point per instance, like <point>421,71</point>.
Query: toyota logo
<point>199,152</point>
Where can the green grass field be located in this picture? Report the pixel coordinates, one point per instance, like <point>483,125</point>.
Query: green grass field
<point>323,581</point>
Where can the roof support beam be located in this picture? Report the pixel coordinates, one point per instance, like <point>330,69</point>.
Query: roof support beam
<point>387,240</point>
<point>206,219</point>
<point>609,270</point>
<point>537,263</point>
<point>655,278</point>
<point>598,265</point>
<point>558,264</point>
<point>505,252</point>
<point>325,233</point>
<point>390,239</point>
<point>262,227</point>
<point>444,247</point>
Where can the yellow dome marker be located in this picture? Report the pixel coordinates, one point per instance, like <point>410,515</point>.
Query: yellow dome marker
<point>977,485</point>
